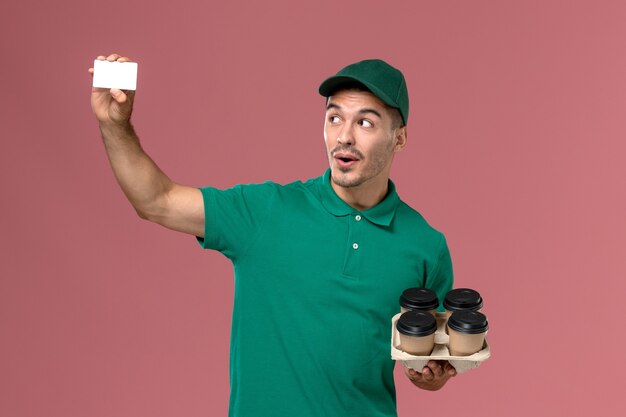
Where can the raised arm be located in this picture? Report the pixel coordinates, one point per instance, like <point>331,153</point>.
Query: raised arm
<point>153,195</point>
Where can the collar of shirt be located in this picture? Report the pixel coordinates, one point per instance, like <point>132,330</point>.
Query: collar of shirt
<point>381,214</point>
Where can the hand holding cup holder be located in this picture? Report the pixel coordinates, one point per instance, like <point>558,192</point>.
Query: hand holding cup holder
<point>466,346</point>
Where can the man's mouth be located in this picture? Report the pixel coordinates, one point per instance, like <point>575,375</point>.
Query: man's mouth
<point>345,159</point>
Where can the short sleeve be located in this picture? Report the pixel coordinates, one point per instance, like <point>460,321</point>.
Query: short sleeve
<point>234,216</point>
<point>441,278</point>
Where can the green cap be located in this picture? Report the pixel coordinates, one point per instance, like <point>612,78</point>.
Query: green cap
<point>384,81</point>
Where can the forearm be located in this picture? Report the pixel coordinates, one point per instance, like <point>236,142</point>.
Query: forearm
<point>153,195</point>
<point>141,180</point>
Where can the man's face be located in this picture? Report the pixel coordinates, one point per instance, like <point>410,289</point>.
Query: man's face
<point>360,139</point>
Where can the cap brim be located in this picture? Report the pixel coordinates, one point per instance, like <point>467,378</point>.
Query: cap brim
<point>331,84</point>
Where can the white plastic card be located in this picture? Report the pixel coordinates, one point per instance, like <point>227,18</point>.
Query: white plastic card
<point>120,75</point>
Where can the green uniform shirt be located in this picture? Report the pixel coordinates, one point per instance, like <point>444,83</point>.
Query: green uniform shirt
<point>316,285</point>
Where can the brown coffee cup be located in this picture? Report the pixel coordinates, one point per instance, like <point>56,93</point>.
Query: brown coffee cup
<point>462,299</point>
<point>417,332</point>
<point>419,299</point>
<point>467,330</point>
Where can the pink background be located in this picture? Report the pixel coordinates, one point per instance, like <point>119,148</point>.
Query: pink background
<point>516,142</point>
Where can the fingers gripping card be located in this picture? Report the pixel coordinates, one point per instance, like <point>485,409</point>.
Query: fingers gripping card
<point>120,75</point>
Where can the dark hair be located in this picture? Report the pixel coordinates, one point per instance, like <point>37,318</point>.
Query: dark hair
<point>396,117</point>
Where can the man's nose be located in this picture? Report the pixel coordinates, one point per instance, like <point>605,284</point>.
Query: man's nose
<point>346,135</point>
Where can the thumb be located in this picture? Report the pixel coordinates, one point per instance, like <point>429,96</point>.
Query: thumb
<point>118,95</point>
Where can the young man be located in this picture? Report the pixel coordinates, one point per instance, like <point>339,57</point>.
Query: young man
<point>319,265</point>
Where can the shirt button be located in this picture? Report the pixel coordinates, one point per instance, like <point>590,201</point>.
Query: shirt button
<point>355,246</point>
<point>357,217</point>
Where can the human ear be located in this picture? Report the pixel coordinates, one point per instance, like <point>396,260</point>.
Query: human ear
<point>401,138</point>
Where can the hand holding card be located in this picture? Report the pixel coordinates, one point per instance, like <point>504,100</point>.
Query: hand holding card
<point>113,92</point>
<point>115,74</point>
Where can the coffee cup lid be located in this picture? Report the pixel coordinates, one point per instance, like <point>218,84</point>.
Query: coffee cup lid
<point>470,322</point>
<point>416,323</point>
<point>462,299</point>
<point>419,299</point>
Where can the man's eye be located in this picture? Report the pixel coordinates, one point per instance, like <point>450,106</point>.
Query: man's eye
<point>333,119</point>
<point>366,123</point>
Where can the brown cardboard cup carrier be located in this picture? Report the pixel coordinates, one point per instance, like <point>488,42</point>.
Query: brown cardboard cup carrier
<point>440,351</point>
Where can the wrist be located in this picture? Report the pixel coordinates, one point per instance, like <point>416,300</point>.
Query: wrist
<point>118,135</point>
<point>115,128</point>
